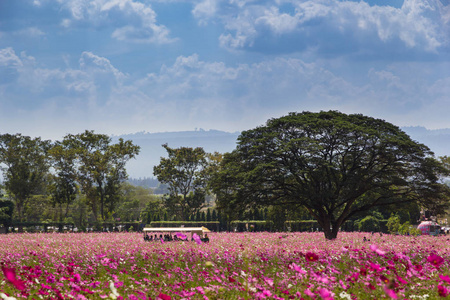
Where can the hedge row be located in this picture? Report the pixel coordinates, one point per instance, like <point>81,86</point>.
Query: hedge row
<point>100,226</point>
<point>252,225</point>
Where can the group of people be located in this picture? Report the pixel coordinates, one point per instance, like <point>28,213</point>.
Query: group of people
<point>169,238</point>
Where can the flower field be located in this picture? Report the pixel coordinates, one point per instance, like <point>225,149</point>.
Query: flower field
<point>231,266</point>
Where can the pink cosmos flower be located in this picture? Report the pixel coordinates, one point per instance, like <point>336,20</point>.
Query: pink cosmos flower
<point>197,239</point>
<point>325,294</point>
<point>181,236</point>
<point>267,293</point>
<point>298,268</point>
<point>401,280</point>
<point>50,278</point>
<point>309,293</point>
<point>377,250</point>
<point>391,293</point>
<point>376,267</point>
<point>200,290</point>
<point>10,275</point>
<point>445,278</point>
<point>435,260</point>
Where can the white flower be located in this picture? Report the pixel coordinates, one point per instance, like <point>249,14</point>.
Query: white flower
<point>6,297</point>
<point>345,295</point>
<point>114,294</point>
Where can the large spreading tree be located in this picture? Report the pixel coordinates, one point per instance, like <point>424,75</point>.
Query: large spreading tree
<point>332,164</point>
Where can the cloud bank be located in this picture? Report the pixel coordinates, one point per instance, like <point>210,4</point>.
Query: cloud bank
<point>127,66</point>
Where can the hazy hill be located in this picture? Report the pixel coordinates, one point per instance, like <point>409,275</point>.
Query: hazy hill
<point>438,140</point>
<point>220,141</point>
<point>152,151</point>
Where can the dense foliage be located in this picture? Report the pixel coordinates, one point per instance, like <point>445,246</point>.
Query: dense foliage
<point>334,165</point>
<point>37,173</point>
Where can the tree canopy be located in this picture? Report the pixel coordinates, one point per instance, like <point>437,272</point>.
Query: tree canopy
<point>332,164</point>
<point>100,168</point>
<point>25,164</point>
<point>183,172</point>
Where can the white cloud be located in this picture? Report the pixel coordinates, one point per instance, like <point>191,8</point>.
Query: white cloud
<point>8,58</point>
<point>91,63</point>
<point>205,10</point>
<point>278,22</point>
<point>419,25</point>
<point>193,93</point>
<point>133,21</point>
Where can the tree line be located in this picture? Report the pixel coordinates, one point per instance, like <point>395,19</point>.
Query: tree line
<point>36,172</point>
<point>329,166</point>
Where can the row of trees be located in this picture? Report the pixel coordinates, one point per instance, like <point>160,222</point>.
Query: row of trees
<point>86,163</point>
<point>329,166</point>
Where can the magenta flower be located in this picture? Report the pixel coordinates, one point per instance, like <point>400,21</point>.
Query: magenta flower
<point>181,236</point>
<point>197,239</point>
<point>267,293</point>
<point>310,256</point>
<point>445,278</point>
<point>435,260</point>
<point>391,293</point>
<point>309,293</point>
<point>401,280</point>
<point>442,291</point>
<point>325,294</point>
<point>164,297</point>
<point>10,275</point>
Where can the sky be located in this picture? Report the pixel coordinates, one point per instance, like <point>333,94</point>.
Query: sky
<point>125,66</point>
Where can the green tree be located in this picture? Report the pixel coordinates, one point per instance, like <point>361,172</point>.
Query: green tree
<point>369,223</point>
<point>203,216</point>
<point>63,185</point>
<point>25,165</point>
<point>6,212</point>
<point>393,224</point>
<point>183,171</point>
<point>101,168</point>
<point>135,203</point>
<point>332,164</point>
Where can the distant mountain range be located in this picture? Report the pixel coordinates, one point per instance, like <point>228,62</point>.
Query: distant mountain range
<point>438,140</point>
<point>152,150</point>
<point>214,140</point>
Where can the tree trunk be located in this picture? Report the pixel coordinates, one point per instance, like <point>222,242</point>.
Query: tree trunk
<point>331,230</point>
<point>102,200</point>
<point>94,208</point>
<point>330,234</point>
<point>60,212</point>
<point>19,205</point>
<point>67,210</point>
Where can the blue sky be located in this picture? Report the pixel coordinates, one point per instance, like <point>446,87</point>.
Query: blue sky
<point>123,66</point>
